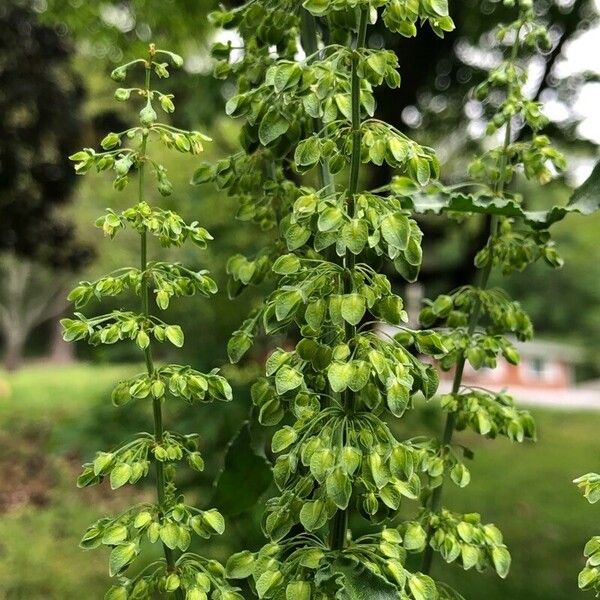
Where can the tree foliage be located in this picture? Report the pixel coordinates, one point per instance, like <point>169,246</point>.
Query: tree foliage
<point>40,126</point>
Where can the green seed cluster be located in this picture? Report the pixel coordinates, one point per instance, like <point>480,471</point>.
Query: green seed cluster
<point>169,521</point>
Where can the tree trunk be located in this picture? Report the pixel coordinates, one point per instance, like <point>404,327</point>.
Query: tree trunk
<point>13,353</point>
<point>60,351</point>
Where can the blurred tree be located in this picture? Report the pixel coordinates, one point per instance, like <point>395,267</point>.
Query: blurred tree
<point>39,127</point>
<point>31,294</point>
<point>40,102</point>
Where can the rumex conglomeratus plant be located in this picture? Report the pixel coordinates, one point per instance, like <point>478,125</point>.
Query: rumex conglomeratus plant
<point>309,125</point>
<point>168,521</point>
<point>475,321</point>
<point>335,392</point>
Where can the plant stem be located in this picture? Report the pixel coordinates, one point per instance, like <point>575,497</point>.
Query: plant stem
<point>310,43</point>
<point>145,293</point>
<point>339,526</point>
<point>450,426</point>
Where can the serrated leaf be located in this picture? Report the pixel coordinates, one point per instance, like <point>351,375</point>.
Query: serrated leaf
<point>585,201</point>
<point>350,580</point>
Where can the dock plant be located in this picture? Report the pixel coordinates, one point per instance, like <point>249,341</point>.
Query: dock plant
<point>348,367</point>
<point>168,520</point>
<point>305,89</point>
<point>479,323</point>
<point>476,319</point>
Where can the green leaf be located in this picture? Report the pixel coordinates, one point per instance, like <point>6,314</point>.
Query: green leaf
<point>120,475</point>
<point>116,593</point>
<point>308,152</point>
<point>287,379</point>
<point>422,587</point>
<point>298,590</point>
<point>396,230</point>
<point>587,577</point>
<point>407,270</point>
<point>286,302</point>
<point>351,580</point>
<point>330,219</point>
<point>502,560</point>
<point>240,565</point>
<point>114,535</point>
<point>239,343</point>
<point>286,264</point>
<point>235,491</point>
<point>415,537</point>
<point>355,235</point>
<point>215,521</point>
<point>354,307</point>
<point>272,127</point>
<point>313,515</point>
<point>339,375</point>
<point>445,592</point>
<point>440,7</point>
<point>286,75</point>
<point>169,534</point>
<point>339,488</point>
<point>283,438</point>
<point>174,334</point>
<point>203,174</point>
<point>268,581</point>
<point>316,7</point>
<point>120,557</point>
<point>460,475</point>
<point>398,397</point>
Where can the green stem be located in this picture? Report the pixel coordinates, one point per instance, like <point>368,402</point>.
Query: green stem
<point>339,526</point>
<point>310,43</point>
<point>485,273</point>
<point>145,293</point>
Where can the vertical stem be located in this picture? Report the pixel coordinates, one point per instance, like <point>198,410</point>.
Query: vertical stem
<point>450,426</point>
<point>339,526</point>
<point>145,292</point>
<point>310,43</point>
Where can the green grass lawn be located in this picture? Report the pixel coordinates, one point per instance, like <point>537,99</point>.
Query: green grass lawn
<point>526,490</point>
<point>56,392</point>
